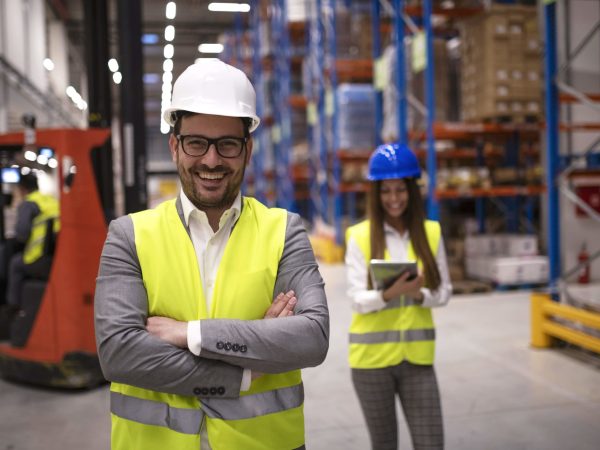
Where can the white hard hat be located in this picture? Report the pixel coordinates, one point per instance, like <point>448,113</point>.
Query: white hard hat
<point>212,87</point>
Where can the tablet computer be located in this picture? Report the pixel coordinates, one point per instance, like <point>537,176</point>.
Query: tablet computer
<point>383,272</point>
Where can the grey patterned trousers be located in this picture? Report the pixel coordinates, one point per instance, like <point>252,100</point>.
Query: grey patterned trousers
<point>417,389</point>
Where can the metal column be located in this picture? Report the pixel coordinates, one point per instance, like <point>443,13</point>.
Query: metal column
<point>433,212</point>
<point>99,96</point>
<point>132,104</point>
<point>552,138</point>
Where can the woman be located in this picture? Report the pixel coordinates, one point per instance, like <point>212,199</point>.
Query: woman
<point>392,335</point>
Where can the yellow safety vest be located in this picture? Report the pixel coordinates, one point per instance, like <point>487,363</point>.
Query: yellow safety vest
<point>49,209</point>
<point>403,330</point>
<point>268,416</point>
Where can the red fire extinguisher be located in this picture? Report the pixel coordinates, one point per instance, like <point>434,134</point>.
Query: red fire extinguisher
<point>584,272</point>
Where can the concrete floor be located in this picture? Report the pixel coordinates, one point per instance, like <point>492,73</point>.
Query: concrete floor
<point>497,392</point>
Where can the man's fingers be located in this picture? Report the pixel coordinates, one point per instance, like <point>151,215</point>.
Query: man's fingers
<point>289,307</point>
<point>281,305</point>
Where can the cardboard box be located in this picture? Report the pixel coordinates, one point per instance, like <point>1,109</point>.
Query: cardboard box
<point>508,270</point>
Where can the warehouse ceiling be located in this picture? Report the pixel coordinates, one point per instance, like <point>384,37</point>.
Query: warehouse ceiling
<point>194,24</point>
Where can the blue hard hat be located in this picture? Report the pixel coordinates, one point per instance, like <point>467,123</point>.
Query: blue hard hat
<point>393,161</point>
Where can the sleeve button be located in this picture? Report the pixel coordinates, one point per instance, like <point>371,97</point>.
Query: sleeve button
<point>219,345</point>
<point>243,348</point>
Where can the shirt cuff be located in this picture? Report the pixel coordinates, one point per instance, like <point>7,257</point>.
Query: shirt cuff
<point>194,337</point>
<point>428,300</point>
<point>246,380</point>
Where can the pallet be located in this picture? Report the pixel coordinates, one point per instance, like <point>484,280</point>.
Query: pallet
<point>471,287</point>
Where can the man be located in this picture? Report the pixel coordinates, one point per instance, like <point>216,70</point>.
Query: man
<point>31,228</point>
<point>199,354</point>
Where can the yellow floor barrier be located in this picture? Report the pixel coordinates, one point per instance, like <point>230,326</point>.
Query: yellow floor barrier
<point>543,328</point>
<point>326,250</point>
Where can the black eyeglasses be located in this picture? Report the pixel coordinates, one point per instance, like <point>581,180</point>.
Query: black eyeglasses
<point>227,146</point>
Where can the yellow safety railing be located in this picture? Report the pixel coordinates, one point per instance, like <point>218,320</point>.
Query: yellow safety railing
<point>543,328</point>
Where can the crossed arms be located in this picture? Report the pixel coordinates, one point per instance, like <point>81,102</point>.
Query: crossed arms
<point>130,354</point>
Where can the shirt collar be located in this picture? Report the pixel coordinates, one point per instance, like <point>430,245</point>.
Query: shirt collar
<point>388,229</point>
<point>188,207</point>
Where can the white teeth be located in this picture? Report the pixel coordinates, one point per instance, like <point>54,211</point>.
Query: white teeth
<point>211,175</point>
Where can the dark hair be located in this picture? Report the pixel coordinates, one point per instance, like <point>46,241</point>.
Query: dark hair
<point>247,121</point>
<point>413,220</point>
<point>29,182</point>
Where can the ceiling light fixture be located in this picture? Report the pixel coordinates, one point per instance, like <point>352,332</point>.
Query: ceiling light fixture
<point>117,77</point>
<point>168,65</point>
<point>113,65</point>
<point>229,7</point>
<point>169,51</point>
<point>210,48</point>
<point>169,33</point>
<point>171,10</point>
<point>48,64</point>
<point>150,38</point>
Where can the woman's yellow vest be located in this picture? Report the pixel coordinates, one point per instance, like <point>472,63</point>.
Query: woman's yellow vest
<point>269,415</point>
<point>403,330</point>
<point>49,209</point>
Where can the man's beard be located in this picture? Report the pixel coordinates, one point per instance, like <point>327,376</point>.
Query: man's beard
<point>226,200</point>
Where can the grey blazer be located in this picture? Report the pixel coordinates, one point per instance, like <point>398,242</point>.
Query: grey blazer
<point>129,354</point>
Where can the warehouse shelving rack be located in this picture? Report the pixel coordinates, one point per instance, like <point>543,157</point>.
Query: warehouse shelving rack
<point>513,134</point>
<point>560,167</point>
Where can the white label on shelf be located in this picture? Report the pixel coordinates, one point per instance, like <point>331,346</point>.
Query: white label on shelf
<point>380,71</point>
<point>311,113</point>
<point>329,102</point>
<point>419,60</point>
<point>276,134</point>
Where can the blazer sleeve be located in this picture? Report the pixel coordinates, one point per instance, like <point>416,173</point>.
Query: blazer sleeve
<point>281,344</point>
<point>128,353</point>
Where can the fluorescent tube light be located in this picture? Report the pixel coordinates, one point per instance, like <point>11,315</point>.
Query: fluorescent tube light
<point>229,7</point>
<point>210,48</point>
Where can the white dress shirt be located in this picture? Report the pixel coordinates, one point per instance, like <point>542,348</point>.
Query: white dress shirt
<point>364,300</point>
<point>209,247</point>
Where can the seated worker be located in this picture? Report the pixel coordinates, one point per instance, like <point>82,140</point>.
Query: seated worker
<point>33,214</point>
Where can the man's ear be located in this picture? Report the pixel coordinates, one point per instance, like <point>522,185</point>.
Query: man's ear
<point>173,144</point>
<point>249,147</point>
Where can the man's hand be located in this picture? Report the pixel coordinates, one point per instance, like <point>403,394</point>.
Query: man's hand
<point>282,306</point>
<point>170,330</point>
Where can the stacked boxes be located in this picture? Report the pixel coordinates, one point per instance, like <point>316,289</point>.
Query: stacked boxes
<point>353,26</point>
<point>505,259</point>
<point>501,65</point>
<point>445,85</point>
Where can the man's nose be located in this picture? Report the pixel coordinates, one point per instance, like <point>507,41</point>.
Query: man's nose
<point>211,155</point>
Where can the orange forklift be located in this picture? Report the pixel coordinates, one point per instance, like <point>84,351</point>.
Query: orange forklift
<point>51,341</point>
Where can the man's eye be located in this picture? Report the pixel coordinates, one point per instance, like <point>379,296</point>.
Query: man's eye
<point>228,143</point>
<point>197,142</point>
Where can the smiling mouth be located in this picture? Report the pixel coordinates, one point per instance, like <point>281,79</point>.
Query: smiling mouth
<point>211,175</point>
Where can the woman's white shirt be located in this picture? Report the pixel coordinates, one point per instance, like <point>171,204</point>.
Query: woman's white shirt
<point>365,300</point>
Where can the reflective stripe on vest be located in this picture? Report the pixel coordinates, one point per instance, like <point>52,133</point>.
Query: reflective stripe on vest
<point>149,412</point>
<point>398,303</point>
<point>170,271</point>
<point>380,337</point>
<point>254,405</point>
<point>402,330</point>
<point>188,420</point>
